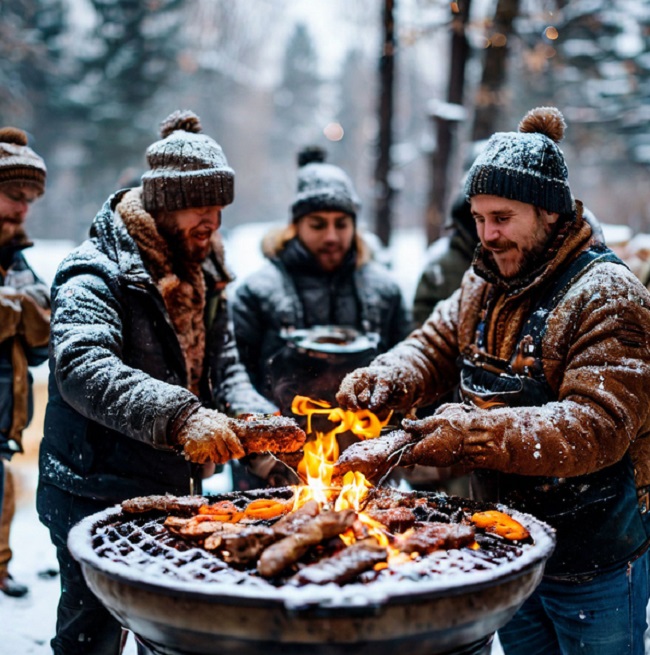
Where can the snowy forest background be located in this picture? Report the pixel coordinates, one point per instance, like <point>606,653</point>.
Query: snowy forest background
<point>90,80</point>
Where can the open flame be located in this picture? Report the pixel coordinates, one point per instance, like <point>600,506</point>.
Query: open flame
<point>320,455</point>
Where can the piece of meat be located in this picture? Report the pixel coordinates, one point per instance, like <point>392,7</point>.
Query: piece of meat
<point>260,433</point>
<point>375,457</point>
<point>183,505</point>
<point>291,522</point>
<point>396,519</point>
<point>290,549</point>
<point>199,526</point>
<point>426,537</point>
<point>344,565</point>
<point>240,549</point>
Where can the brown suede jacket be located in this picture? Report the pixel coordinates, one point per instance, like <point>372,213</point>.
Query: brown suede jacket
<point>595,357</point>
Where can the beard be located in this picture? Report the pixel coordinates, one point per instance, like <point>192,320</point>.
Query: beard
<point>180,242</point>
<point>531,253</point>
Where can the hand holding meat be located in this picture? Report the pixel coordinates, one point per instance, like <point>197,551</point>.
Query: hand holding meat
<point>441,436</point>
<point>377,388</point>
<point>207,436</point>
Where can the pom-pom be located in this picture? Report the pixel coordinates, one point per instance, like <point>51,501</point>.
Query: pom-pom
<point>544,120</point>
<point>311,155</point>
<point>187,121</point>
<point>13,135</point>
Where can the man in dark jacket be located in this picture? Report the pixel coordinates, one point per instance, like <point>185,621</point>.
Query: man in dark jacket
<point>549,340</point>
<point>143,360</point>
<point>24,320</point>
<point>320,306</point>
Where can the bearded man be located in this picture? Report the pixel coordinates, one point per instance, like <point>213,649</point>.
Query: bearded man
<point>143,361</point>
<point>548,339</point>
<point>24,321</point>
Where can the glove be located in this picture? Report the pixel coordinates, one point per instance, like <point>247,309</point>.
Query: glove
<point>206,437</point>
<point>10,314</point>
<point>377,388</point>
<point>442,435</point>
<point>34,323</point>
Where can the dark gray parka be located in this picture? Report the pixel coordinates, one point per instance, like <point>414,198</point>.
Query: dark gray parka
<point>291,291</point>
<point>117,375</point>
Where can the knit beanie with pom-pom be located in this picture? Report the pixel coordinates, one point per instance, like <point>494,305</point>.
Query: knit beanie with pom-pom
<point>321,186</point>
<point>19,164</point>
<point>188,168</point>
<point>527,165</point>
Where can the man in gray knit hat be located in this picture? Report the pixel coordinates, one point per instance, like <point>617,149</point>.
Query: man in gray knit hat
<point>145,377</point>
<point>548,339</point>
<point>24,320</point>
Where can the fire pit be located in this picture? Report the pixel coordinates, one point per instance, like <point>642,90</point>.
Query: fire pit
<point>180,598</point>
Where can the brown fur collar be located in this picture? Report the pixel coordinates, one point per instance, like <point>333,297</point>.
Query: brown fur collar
<point>277,238</point>
<point>182,287</point>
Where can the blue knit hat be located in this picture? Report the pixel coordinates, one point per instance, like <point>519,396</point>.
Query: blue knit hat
<point>322,187</point>
<point>527,165</point>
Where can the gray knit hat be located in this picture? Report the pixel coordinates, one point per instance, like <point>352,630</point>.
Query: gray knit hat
<point>19,164</point>
<point>526,165</point>
<point>188,169</point>
<point>322,187</point>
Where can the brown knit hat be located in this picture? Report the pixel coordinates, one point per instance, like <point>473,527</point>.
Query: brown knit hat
<point>19,164</point>
<point>188,169</point>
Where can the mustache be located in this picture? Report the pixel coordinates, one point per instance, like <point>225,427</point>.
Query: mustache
<point>500,244</point>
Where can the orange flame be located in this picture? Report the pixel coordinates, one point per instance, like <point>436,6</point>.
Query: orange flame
<point>320,455</point>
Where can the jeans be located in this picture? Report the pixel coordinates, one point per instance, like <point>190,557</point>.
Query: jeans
<point>604,616</point>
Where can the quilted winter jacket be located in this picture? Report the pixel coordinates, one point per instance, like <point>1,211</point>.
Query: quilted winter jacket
<point>118,379</point>
<point>290,291</point>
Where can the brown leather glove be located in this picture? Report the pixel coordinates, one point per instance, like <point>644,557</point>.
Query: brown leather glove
<point>207,437</point>
<point>35,322</point>
<point>442,435</point>
<point>10,314</point>
<point>377,388</point>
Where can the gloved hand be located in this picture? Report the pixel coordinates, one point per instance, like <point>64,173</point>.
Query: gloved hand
<point>10,313</point>
<point>207,437</point>
<point>377,388</point>
<point>34,322</point>
<point>442,435</point>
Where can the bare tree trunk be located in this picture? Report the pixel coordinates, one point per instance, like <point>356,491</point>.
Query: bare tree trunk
<point>490,98</point>
<point>383,189</point>
<point>446,124</point>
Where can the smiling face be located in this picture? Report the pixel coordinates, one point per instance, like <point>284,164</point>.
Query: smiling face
<point>328,236</point>
<point>15,201</point>
<point>189,231</point>
<point>512,231</point>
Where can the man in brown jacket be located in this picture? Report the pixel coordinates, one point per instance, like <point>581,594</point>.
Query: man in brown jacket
<point>553,333</point>
<point>24,320</point>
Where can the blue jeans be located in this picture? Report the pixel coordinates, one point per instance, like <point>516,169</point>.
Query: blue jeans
<point>605,616</point>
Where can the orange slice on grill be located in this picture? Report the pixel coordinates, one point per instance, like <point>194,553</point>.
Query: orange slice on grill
<point>224,510</point>
<point>267,508</point>
<point>501,524</point>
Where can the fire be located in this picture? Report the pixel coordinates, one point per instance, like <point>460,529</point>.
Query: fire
<point>320,455</point>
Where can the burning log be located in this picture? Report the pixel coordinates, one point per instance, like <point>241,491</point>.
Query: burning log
<point>289,550</point>
<point>344,565</point>
<point>375,458</point>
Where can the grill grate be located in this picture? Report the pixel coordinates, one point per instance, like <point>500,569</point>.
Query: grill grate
<point>146,545</point>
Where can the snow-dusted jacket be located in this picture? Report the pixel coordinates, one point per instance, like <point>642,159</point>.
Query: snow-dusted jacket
<point>595,358</point>
<point>24,335</point>
<point>292,291</point>
<point>118,379</point>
